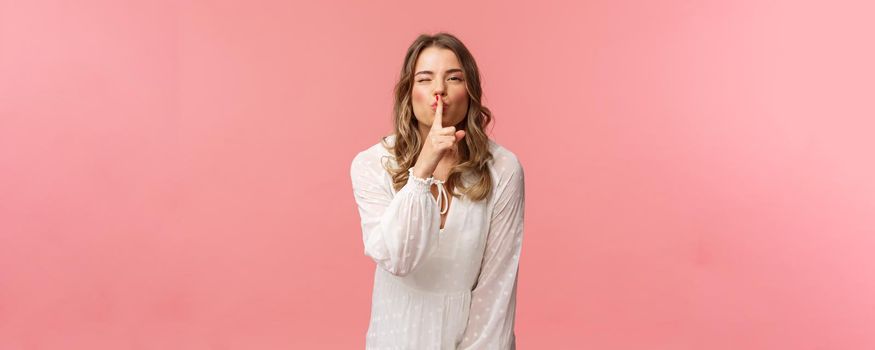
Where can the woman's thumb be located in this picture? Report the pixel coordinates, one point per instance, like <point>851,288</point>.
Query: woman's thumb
<point>459,135</point>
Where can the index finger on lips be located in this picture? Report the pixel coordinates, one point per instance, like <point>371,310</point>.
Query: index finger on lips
<point>438,114</point>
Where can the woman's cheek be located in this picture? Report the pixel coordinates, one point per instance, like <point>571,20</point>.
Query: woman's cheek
<point>424,100</point>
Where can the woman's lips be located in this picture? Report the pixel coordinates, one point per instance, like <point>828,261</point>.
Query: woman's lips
<point>434,106</point>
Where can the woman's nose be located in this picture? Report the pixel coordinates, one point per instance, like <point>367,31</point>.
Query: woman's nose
<point>439,88</point>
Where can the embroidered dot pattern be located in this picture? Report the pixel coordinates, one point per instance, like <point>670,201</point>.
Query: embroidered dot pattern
<point>424,293</point>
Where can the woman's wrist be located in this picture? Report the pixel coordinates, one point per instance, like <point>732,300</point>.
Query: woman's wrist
<point>419,173</point>
<point>422,185</point>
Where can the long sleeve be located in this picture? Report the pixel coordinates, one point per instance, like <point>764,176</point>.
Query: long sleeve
<point>493,300</point>
<point>399,231</point>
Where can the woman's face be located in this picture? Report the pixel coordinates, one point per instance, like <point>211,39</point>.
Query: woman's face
<point>438,72</point>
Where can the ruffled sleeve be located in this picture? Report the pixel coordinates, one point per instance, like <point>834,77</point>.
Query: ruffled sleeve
<point>493,300</point>
<point>398,230</point>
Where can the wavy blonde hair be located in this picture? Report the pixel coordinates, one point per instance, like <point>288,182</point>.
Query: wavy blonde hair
<point>473,151</point>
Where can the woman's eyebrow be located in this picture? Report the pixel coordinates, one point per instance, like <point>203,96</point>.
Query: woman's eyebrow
<point>448,71</point>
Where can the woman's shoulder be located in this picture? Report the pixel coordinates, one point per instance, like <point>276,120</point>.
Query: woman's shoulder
<point>504,162</point>
<point>374,157</point>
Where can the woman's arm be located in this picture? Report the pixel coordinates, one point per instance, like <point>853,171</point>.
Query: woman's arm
<point>493,300</point>
<point>398,230</point>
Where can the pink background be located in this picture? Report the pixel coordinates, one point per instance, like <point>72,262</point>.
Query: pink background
<point>175,175</point>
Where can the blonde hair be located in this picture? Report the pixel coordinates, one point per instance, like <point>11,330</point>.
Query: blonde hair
<point>473,149</point>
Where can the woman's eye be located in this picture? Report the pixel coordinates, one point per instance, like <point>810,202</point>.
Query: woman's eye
<point>451,78</point>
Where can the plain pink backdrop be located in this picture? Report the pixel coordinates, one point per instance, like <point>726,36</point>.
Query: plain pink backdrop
<point>175,175</point>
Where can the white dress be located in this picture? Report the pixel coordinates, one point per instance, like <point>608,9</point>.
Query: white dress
<point>450,288</point>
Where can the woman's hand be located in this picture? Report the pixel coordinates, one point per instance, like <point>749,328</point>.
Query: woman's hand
<point>440,142</point>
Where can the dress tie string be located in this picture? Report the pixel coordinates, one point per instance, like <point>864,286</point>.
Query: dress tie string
<point>442,194</point>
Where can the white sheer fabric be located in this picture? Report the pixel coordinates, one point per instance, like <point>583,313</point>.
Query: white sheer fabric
<point>451,288</point>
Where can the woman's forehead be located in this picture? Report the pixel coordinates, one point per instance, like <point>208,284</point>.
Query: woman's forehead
<point>433,58</point>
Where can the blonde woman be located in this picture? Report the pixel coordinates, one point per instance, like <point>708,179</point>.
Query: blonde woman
<point>441,209</point>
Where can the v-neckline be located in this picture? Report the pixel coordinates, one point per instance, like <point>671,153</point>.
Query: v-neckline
<point>447,219</point>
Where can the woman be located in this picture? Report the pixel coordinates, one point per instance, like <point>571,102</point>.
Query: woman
<point>441,209</point>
